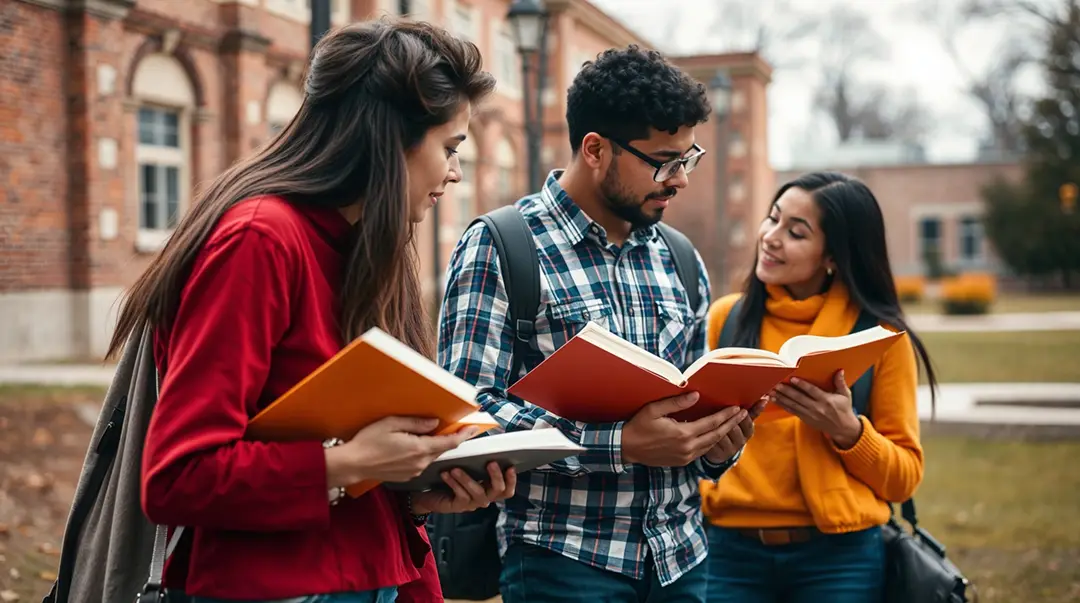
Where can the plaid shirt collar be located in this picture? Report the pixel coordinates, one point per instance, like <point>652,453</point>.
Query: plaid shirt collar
<point>576,224</point>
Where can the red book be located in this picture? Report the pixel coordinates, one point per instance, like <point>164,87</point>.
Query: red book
<point>599,377</point>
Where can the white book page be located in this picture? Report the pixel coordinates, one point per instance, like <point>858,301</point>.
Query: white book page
<point>534,439</point>
<point>805,345</point>
<point>429,370</point>
<point>604,339</point>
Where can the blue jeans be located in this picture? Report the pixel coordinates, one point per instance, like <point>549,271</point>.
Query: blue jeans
<point>533,574</point>
<point>833,568</point>
<point>383,595</point>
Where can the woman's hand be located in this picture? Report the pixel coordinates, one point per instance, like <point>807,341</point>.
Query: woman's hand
<point>466,494</point>
<point>393,449</point>
<point>828,412</point>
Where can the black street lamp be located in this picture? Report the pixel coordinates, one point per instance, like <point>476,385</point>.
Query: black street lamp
<point>320,20</point>
<point>720,88</point>
<point>529,19</point>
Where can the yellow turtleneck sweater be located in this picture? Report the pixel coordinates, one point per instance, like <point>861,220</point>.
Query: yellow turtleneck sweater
<point>793,475</point>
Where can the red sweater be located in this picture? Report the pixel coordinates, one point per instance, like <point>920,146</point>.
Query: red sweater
<point>257,314</point>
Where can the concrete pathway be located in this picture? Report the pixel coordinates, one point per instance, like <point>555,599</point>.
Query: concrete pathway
<point>1017,321</point>
<point>1046,404</point>
<point>61,375</point>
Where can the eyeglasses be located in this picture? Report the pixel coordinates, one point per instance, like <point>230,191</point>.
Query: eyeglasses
<point>665,170</point>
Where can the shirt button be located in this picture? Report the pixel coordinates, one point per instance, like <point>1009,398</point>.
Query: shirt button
<point>630,310</point>
<point>586,315</point>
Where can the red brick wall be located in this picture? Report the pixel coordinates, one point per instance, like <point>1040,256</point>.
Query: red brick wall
<point>34,243</point>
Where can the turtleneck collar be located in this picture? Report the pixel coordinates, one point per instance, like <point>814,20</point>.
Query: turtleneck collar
<point>829,313</point>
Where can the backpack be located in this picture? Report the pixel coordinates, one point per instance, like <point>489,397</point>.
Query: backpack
<point>916,569</point>
<point>111,552</point>
<point>465,545</point>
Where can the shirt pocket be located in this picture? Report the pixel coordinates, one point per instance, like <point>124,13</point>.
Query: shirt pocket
<point>566,318</point>
<point>669,330</point>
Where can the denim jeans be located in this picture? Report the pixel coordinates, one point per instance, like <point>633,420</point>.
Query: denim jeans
<point>383,595</point>
<point>534,574</point>
<point>833,568</point>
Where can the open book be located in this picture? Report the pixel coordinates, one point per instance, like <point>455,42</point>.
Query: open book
<point>600,377</point>
<point>374,377</point>
<point>523,450</point>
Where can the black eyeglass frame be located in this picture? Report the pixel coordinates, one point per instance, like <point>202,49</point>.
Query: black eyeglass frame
<point>688,163</point>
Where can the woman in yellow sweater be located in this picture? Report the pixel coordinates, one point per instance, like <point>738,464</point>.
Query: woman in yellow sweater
<point>798,519</point>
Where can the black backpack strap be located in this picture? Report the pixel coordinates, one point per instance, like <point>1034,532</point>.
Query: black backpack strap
<point>727,332</point>
<point>860,402</point>
<point>860,390</point>
<point>520,269</point>
<point>686,265</point>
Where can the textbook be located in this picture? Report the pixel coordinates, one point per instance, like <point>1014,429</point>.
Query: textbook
<point>600,377</point>
<point>523,450</point>
<point>373,377</point>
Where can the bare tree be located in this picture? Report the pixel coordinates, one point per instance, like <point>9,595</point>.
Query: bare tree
<point>859,109</point>
<point>995,89</point>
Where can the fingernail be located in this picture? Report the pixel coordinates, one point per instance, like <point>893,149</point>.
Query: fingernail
<point>796,380</point>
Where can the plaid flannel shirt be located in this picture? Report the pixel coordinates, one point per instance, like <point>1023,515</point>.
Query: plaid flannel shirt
<point>592,507</point>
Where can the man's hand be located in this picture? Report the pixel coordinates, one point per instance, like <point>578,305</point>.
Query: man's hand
<point>735,439</point>
<point>653,438</point>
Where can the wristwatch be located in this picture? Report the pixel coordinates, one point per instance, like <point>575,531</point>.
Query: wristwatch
<point>418,520</point>
<point>337,493</point>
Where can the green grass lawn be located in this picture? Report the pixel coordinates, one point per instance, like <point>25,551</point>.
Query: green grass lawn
<point>1020,356</point>
<point>1045,302</point>
<point>1008,515</point>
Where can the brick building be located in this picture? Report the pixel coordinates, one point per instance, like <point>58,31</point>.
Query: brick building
<point>935,207</point>
<point>113,112</point>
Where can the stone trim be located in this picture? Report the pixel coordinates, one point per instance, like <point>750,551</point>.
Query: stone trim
<point>106,9</point>
<point>242,40</point>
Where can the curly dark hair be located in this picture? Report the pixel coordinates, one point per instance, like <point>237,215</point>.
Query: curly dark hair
<point>624,92</point>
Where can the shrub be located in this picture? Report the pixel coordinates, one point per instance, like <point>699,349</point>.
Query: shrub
<point>910,288</point>
<point>969,293</point>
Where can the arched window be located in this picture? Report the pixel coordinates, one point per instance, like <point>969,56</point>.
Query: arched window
<point>166,102</point>
<point>505,164</point>
<point>282,103</point>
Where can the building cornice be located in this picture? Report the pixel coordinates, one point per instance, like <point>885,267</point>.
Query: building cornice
<point>106,9</point>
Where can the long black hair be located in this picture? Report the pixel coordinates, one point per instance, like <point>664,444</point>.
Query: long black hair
<point>855,239</point>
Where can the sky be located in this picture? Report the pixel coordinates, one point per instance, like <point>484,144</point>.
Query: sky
<point>914,60</point>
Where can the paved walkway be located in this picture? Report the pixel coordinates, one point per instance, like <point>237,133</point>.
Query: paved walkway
<point>1018,321</point>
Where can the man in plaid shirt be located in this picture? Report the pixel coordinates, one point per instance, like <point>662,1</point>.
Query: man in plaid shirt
<point>621,521</point>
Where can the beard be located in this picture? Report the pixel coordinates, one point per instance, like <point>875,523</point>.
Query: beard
<point>621,202</point>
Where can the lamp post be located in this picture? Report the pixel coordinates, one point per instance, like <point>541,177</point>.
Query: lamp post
<point>320,20</point>
<point>720,88</point>
<point>528,20</point>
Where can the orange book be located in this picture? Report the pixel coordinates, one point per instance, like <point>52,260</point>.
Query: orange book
<point>374,377</point>
<point>600,377</point>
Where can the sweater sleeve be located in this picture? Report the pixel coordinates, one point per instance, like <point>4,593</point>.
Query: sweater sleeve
<point>197,468</point>
<point>888,456</point>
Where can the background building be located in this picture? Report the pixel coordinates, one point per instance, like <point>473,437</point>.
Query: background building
<point>114,112</point>
<point>931,209</point>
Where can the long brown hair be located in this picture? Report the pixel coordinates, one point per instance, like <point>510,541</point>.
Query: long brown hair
<point>372,92</point>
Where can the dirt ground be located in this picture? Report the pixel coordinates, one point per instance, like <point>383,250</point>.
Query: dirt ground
<point>42,446</point>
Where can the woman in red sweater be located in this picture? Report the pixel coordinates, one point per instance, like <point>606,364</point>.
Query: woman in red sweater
<point>287,256</point>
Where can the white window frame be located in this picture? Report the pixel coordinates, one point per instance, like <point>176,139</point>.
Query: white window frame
<point>969,225</point>
<point>463,21</point>
<point>507,60</point>
<point>153,239</point>
<point>300,10</point>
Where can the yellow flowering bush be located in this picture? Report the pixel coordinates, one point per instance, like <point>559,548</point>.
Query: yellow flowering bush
<point>911,288</point>
<point>968,293</point>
